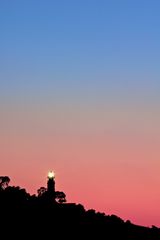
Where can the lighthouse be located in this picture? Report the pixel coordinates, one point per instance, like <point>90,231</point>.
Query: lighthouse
<point>51,185</point>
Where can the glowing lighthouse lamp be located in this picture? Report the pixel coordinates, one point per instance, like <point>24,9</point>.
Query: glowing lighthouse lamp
<point>51,184</point>
<point>51,174</point>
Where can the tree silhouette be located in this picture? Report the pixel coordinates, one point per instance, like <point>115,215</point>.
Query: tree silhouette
<point>16,194</point>
<point>41,191</point>
<point>60,197</point>
<point>4,182</point>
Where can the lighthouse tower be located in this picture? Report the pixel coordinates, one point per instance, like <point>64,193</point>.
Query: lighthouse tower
<point>51,185</point>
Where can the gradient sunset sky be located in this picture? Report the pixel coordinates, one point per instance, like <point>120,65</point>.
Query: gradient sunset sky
<point>80,95</point>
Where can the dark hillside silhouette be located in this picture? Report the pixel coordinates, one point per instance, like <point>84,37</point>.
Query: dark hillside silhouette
<point>47,215</point>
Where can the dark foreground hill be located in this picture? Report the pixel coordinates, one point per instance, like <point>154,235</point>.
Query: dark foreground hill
<point>23,216</point>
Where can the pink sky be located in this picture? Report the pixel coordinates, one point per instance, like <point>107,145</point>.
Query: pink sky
<point>106,159</point>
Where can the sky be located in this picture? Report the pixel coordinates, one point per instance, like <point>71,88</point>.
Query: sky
<point>79,94</point>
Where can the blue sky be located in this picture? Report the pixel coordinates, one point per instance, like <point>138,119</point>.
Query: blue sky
<point>76,45</point>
